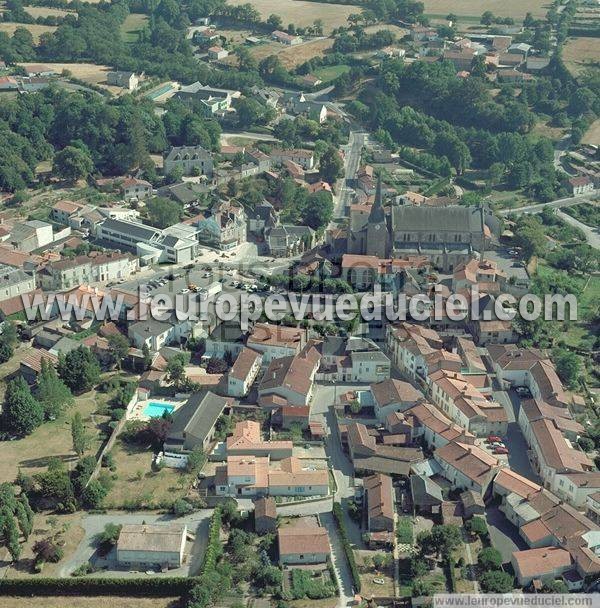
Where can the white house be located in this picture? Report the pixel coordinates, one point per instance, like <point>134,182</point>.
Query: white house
<point>143,546</point>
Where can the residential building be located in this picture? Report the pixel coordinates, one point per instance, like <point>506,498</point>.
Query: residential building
<point>393,395</point>
<point>194,423</point>
<point>466,405</point>
<point>303,544</point>
<point>14,282</point>
<point>143,546</point>
<point>545,563</point>
<point>379,503</point>
<point>125,80</point>
<point>246,440</point>
<point>132,188</point>
<point>217,52</point>
<point>287,240</point>
<point>581,184</point>
<point>286,38</point>
<point>207,99</point>
<point>224,227</point>
<point>289,380</point>
<point>189,160</point>
<point>265,515</point>
<point>530,368</point>
<point>243,372</point>
<point>30,235</point>
<point>592,507</point>
<point>92,268</point>
<point>537,409</point>
<point>262,219</point>
<point>253,476</point>
<point>63,211</point>
<point>30,365</point>
<point>352,359</point>
<point>576,487</point>
<point>156,334</point>
<point>276,341</point>
<point>365,271</point>
<point>304,158</point>
<point>466,466</point>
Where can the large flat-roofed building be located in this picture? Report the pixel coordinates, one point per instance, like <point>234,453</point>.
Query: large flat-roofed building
<point>151,244</point>
<point>151,545</point>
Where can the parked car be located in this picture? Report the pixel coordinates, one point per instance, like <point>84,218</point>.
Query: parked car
<point>523,391</point>
<point>501,451</point>
<point>492,438</point>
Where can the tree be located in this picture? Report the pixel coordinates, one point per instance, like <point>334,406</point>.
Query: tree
<point>6,351</point>
<point>181,507</point>
<point>164,212</point>
<point>22,413</point>
<point>79,435</point>
<point>73,163</point>
<point>586,444</point>
<point>555,586</point>
<point>496,581</point>
<point>79,369</point>
<point>159,429</point>
<point>195,460</point>
<point>110,534</point>
<point>275,22</point>
<point>487,18</point>
<point>317,210</point>
<point>442,539</point>
<point>119,347</point>
<point>147,357</point>
<point>175,370</point>
<point>568,366</point>
<point>490,559</point>
<point>11,538</point>
<point>53,394</point>
<point>331,166</point>
<point>93,494</point>
<point>46,550</point>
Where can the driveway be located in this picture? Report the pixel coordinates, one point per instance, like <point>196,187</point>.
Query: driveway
<point>197,524</point>
<point>504,536</point>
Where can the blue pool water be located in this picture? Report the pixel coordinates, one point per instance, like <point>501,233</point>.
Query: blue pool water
<point>156,410</point>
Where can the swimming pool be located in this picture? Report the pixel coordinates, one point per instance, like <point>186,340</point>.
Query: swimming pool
<point>155,409</point>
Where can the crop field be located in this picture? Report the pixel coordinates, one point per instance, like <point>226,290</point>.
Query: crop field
<point>45,11</point>
<point>303,13</point>
<point>90,602</point>
<point>592,135</point>
<point>580,53</point>
<point>508,8</point>
<point>291,56</point>
<point>35,29</point>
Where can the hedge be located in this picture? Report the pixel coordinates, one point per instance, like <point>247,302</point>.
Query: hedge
<point>150,587</point>
<point>339,518</point>
<point>213,548</point>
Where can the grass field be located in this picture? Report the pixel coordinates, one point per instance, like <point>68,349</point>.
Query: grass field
<point>509,8</point>
<point>592,135</point>
<point>134,23</point>
<point>331,72</point>
<point>581,53</point>
<point>137,483</point>
<point>90,602</point>
<point>88,72</point>
<point>302,13</point>
<point>36,30</point>
<point>52,439</point>
<point>44,11</point>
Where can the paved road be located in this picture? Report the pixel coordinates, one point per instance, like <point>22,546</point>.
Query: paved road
<point>557,204</point>
<point>560,150</point>
<point>592,235</point>
<point>225,137</point>
<point>351,161</point>
<point>197,524</point>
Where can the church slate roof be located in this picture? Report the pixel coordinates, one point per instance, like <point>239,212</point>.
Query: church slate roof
<point>445,219</point>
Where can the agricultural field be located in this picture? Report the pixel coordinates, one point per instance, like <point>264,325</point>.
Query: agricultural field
<point>45,11</point>
<point>292,56</point>
<point>88,72</point>
<point>580,53</point>
<point>509,8</point>
<point>134,23</point>
<point>592,135</point>
<point>91,602</point>
<point>35,29</point>
<point>302,13</point>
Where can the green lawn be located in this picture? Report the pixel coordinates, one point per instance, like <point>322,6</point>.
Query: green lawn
<point>134,23</point>
<point>404,533</point>
<point>331,72</point>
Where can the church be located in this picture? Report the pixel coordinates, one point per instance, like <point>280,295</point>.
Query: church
<point>448,236</point>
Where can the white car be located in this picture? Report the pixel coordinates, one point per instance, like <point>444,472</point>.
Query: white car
<point>522,391</point>
<point>184,290</point>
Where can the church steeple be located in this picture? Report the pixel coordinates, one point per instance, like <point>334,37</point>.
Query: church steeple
<point>377,215</point>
